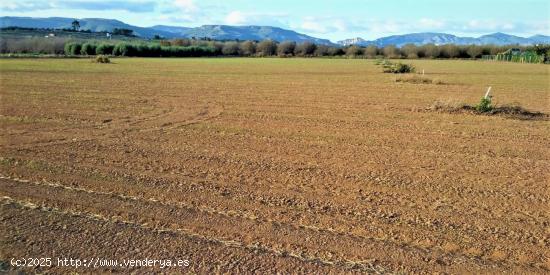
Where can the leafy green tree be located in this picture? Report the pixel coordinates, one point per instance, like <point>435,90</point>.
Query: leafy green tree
<point>104,49</point>
<point>87,49</point>
<point>73,48</point>
<point>76,25</point>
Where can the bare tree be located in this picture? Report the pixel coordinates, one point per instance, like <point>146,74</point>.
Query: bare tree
<point>230,48</point>
<point>450,51</point>
<point>391,51</point>
<point>354,51</point>
<point>410,51</point>
<point>474,51</point>
<point>286,48</point>
<point>371,51</point>
<point>305,49</point>
<point>321,50</point>
<point>430,51</point>
<point>266,48</point>
<point>247,48</point>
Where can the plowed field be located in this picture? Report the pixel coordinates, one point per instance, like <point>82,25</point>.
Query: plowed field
<point>272,165</point>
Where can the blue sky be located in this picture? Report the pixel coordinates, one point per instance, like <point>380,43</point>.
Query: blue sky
<point>332,19</point>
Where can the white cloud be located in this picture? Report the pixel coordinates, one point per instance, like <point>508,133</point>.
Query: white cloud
<point>313,27</point>
<point>185,5</point>
<point>24,5</point>
<point>235,18</point>
<point>256,18</point>
<point>431,23</point>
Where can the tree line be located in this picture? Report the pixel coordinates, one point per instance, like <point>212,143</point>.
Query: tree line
<point>197,48</point>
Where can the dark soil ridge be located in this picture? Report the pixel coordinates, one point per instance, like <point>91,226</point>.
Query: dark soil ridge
<point>506,111</point>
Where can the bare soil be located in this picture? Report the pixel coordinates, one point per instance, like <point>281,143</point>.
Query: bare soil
<point>275,165</point>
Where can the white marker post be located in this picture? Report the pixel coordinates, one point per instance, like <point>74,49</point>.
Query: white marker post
<point>487,94</point>
<point>422,72</point>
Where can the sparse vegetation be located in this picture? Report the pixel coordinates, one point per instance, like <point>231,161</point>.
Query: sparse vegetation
<point>484,105</point>
<point>449,106</point>
<point>417,79</point>
<point>35,45</point>
<point>398,68</point>
<point>102,59</point>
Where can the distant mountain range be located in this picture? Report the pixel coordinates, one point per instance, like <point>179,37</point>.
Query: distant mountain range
<point>216,32</point>
<point>224,32</point>
<point>443,38</point>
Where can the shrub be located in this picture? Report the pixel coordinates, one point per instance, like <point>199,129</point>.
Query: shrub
<point>398,68</point>
<point>102,59</point>
<point>124,49</point>
<point>72,48</point>
<point>383,62</point>
<point>143,50</point>
<point>120,49</point>
<point>105,49</point>
<point>87,49</point>
<point>416,79</point>
<point>484,105</point>
<point>155,50</point>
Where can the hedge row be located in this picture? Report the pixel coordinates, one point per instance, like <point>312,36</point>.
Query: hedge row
<point>198,48</point>
<point>138,50</point>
